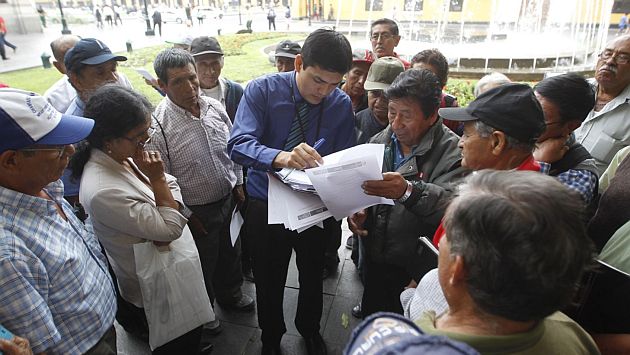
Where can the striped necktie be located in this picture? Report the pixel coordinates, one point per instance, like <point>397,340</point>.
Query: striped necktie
<point>295,134</point>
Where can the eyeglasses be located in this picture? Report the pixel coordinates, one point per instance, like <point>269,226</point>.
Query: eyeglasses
<point>619,58</point>
<point>384,35</point>
<point>59,149</point>
<point>141,143</point>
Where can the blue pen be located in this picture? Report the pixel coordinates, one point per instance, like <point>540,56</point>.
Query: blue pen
<point>318,145</point>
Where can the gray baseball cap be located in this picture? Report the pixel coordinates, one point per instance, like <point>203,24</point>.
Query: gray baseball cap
<point>382,73</point>
<point>288,49</point>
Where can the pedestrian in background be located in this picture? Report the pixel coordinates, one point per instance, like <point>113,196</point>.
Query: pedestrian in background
<point>157,20</point>
<point>271,17</point>
<point>3,40</point>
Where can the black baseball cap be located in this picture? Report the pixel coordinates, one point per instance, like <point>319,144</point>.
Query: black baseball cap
<point>90,51</point>
<point>205,45</point>
<point>288,49</point>
<point>511,108</point>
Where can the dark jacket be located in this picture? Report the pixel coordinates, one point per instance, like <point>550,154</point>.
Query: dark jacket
<point>234,92</point>
<point>393,231</point>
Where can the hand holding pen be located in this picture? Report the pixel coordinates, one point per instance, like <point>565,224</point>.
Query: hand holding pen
<point>301,157</point>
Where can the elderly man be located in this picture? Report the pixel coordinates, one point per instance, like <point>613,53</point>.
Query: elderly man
<point>421,161</point>
<point>89,64</point>
<point>55,288</point>
<point>209,61</point>
<point>374,118</point>
<point>279,120</point>
<point>501,128</point>
<point>607,127</point>
<point>490,81</point>
<point>384,37</point>
<point>62,93</point>
<point>566,100</point>
<point>369,122</point>
<point>355,78</point>
<point>192,137</point>
<point>285,54</point>
<point>515,247</point>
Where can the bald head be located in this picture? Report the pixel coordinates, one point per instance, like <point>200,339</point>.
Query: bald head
<point>59,48</point>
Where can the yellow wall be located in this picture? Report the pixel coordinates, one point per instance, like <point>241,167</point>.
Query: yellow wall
<point>433,10</point>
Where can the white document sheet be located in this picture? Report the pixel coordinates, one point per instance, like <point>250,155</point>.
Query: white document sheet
<point>361,150</point>
<point>235,225</point>
<point>276,207</point>
<point>296,210</point>
<point>338,182</point>
<point>145,74</point>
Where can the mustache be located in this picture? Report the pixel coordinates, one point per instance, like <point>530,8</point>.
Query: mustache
<point>609,68</point>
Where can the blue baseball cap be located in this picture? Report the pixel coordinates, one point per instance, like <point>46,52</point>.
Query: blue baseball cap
<point>90,51</point>
<point>386,333</point>
<point>27,118</point>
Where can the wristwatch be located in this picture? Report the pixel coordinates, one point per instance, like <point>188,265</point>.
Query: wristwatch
<point>407,193</point>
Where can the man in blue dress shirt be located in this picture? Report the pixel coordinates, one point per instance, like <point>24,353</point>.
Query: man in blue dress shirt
<point>278,121</point>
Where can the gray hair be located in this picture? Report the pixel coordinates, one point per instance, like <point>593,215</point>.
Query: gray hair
<point>171,58</point>
<point>490,81</point>
<point>523,240</point>
<point>485,131</point>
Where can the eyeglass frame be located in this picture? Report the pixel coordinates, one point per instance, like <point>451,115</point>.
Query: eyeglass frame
<point>59,149</point>
<point>384,35</point>
<point>140,143</point>
<point>615,55</point>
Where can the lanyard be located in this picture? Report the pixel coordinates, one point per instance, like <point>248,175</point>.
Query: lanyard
<point>299,117</point>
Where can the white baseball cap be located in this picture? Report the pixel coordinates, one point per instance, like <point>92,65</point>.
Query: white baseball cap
<point>26,118</point>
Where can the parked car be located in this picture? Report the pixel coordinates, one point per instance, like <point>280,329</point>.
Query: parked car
<point>72,16</point>
<point>173,15</point>
<point>206,12</point>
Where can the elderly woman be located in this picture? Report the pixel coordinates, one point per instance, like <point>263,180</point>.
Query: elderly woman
<point>127,195</point>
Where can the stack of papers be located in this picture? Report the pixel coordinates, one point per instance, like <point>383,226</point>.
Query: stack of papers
<point>296,180</point>
<point>297,211</point>
<point>337,183</point>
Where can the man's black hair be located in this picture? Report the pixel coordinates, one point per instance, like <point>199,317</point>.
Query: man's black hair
<point>327,49</point>
<point>171,58</point>
<point>420,85</point>
<point>571,93</point>
<point>435,58</point>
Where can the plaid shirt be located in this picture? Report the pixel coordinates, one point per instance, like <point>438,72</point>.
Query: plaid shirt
<point>55,289</point>
<point>582,181</point>
<point>198,150</point>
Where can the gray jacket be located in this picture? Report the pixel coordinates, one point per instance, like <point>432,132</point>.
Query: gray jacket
<point>393,231</point>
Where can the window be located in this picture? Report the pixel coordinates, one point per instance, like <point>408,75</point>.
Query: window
<point>374,5</point>
<point>413,5</point>
<point>456,5</point>
<point>621,6</point>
